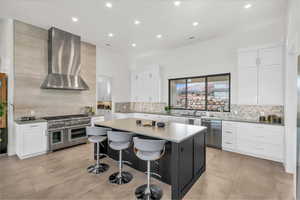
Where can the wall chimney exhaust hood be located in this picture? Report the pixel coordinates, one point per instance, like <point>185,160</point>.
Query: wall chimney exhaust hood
<point>64,62</point>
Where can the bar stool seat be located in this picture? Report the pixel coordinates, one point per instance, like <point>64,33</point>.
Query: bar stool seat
<point>119,141</point>
<point>96,139</point>
<point>119,146</point>
<point>149,150</point>
<point>97,135</point>
<point>145,155</point>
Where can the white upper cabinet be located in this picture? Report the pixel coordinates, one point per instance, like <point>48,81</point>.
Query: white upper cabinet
<point>260,76</point>
<point>146,85</point>
<point>270,76</point>
<point>248,58</point>
<point>271,85</point>
<point>247,77</point>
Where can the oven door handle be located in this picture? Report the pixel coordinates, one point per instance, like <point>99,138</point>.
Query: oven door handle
<point>79,126</point>
<point>54,130</point>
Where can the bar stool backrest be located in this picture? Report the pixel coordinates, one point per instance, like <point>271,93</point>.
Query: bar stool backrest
<point>96,131</point>
<point>148,144</point>
<point>118,136</point>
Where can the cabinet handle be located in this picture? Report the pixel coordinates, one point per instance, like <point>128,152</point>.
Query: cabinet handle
<point>228,143</point>
<point>258,61</point>
<point>33,126</point>
<point>228,132</point>
<point>181,149</point>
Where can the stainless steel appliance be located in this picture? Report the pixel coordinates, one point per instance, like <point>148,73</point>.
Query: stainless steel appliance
<point>214,132</point>
<point>66,131</point>
<point>64,62</point>
<point>191,121</point>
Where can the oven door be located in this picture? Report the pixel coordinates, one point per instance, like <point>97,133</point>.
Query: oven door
<point>77,134</point>
<point>57,139</point>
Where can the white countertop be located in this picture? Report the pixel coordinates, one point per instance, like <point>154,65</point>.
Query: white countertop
<point>174,132</point>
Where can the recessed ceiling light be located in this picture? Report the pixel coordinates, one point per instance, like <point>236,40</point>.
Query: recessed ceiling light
<point>248,5</point>
<point>108,4</point>
<point>74,19</point>
<point>159,36</point>
<point>110,35</point>
<point>195,23</point>
<point>137,22</point>
<point>133,45</point>
<point>177,3</point>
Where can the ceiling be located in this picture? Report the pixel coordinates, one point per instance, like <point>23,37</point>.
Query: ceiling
<point>96,21</point>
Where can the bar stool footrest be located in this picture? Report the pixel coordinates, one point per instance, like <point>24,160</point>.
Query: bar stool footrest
<point>98,169</point>
<point>125,177</point>
<point>155,194</point>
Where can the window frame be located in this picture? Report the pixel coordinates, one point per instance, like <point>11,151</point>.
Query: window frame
<point>194,77</point>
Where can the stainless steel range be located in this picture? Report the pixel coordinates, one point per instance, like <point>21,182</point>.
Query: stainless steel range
<point>66,131</point>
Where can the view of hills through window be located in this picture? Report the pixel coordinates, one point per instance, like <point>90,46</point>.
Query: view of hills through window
<point>210,93</point>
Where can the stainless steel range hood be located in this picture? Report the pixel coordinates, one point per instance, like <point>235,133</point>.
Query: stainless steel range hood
<point>64,62</point>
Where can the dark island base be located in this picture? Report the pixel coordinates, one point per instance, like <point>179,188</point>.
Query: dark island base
<point>181,165</point>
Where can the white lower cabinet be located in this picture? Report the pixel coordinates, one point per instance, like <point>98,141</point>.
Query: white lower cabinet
<point>122,115</point>
<point>31,139</point>
<point>95,119</point>
<point>180,120</point>
<point>228,136</point>
<point>259,140</point>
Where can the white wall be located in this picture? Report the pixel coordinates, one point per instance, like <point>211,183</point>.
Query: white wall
<point>115,65</point>
<point>213,56</point>
<point>7,66</point>
<point>292,53</point>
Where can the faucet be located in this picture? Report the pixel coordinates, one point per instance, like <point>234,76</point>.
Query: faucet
<point>195,112</point>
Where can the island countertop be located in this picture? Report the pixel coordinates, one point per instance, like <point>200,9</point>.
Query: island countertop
<point>173,132</point>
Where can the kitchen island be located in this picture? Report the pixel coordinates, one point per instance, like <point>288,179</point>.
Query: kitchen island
<point>185,156</point>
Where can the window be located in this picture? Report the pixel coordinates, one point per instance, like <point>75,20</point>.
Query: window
<point>196,93</point>
<point>218,93</point>
<point>178,92</point>
<point>207,93</point>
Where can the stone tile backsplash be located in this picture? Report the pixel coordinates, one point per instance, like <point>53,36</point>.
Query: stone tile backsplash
<point>247,112</point>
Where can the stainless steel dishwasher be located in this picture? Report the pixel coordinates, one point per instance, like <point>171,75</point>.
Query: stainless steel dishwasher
<point>214,132</point>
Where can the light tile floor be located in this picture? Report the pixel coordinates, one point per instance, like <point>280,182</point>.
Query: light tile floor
<point>63,175</point>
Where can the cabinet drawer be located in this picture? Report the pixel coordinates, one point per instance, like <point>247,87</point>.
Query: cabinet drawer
<point>228,125</point>
<point>252,147</point>
<point>261,149</point>
<point>228,133</point>
<point>260,133</point>
<point>228,143</point>
<point>274,151</point>
<point>33,128</point>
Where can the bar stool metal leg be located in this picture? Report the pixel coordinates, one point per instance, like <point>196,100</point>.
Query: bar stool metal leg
<point>98,167</point>
<point>148,191</point>
<point>120,177</point>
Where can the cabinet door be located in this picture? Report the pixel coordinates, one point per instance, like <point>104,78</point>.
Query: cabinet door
<point>149,94</point>
<point>271,85</point>
<point>34,139</point>
<point>247,58</point>
<point>270,77</point>
<point>270,56</point>
<point>186,162</point>
<point>134,87</point>
<point>199,151</point>
<point>247,76</point>
<point>180,120</point>
<point>247,85</point>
